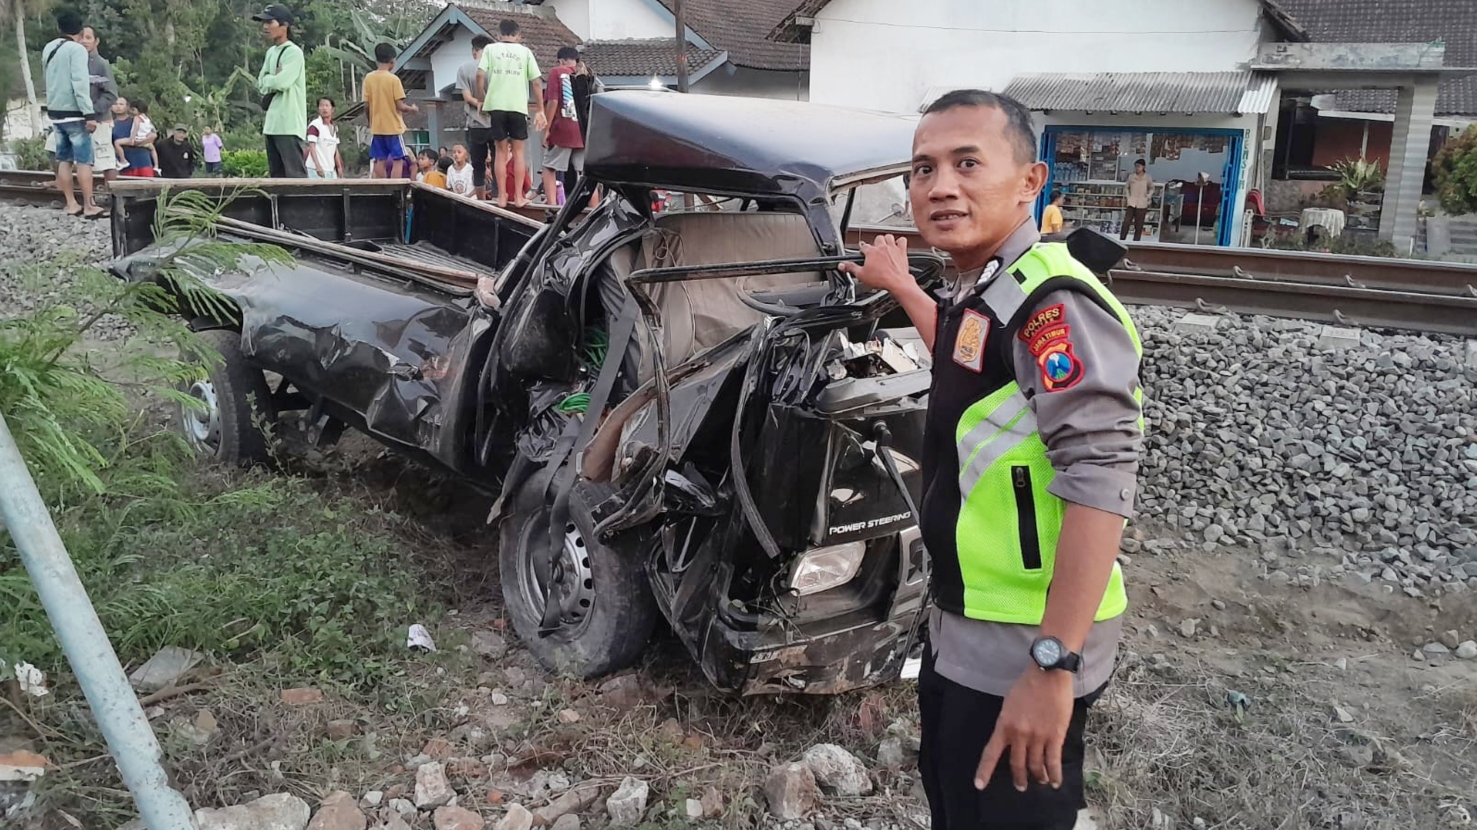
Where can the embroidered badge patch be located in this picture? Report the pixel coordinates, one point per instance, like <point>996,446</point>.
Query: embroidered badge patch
<point>1043,319</point>
<point>969,343</point>
<point>1060,367</point>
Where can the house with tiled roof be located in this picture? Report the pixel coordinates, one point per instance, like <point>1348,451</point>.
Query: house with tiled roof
<point>729,48</point>
<point>1219,97</point>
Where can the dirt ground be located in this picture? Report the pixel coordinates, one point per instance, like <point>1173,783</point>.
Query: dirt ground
<point>1285,707</point>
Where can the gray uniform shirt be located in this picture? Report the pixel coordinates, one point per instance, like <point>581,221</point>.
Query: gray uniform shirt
<point>1093,440</point>
<point>466,79</point>
<point>104,87</point>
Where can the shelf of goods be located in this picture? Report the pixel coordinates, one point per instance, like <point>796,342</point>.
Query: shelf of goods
<point>1100,205</point>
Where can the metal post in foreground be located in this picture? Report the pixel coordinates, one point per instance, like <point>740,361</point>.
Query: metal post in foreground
<point>130,738</point>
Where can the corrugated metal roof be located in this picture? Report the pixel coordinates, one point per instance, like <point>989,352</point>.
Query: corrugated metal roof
<point>1261,95</point>
<point>1187,92</point>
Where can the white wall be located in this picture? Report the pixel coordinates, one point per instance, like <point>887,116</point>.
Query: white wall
<point>575,14</point>
<point>446,60</point>
<point>614,19</point>
<point>871,53</point>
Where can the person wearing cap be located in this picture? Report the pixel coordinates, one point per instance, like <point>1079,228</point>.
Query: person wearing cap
<point>177,157</point>
<point>73,116</point>
<point>283,85</point>
<point>1030,462</point>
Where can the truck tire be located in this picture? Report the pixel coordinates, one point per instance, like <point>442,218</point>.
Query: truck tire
<point>607,610</point>
<point>237,404</point>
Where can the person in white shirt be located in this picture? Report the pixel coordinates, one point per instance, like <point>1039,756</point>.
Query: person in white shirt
<point>323,159</point>
<point>461,178</point>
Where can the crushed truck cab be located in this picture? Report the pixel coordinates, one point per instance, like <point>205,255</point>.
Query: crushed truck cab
<point>690,415</point>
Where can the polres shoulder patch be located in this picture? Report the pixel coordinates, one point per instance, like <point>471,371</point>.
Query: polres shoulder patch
<point>1046,318</point>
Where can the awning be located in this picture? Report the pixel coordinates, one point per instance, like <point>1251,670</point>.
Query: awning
<point>1233,93</point>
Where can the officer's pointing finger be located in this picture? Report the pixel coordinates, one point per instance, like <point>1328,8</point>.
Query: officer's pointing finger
<point>988,760</point>
<point>1036,760</point>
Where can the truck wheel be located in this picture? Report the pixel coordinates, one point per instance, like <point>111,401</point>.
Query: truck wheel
<point>236,402</point>
<point>606,611</point>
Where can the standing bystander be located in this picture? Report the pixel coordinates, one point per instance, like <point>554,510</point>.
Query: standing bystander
<point>324,159</point>
<point>459,177</point>
<point>479,129</point>
<point>564,146</point>
<point>384,100</point>
<point>1138,193</point>
<point>104,93</point>
<point>70,108</point>
<point>211,147</point>
<point>283,85</point>
<point>507,68</point>
<point>1052,221</point>
<point>135,157</point>
<point>177,157</point>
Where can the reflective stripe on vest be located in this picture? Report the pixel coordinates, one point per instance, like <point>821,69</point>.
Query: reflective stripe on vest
<point>1009,523</point>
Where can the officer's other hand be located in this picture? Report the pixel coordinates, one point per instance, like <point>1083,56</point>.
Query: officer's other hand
<point>1033,725</point>
<point>886,264</point>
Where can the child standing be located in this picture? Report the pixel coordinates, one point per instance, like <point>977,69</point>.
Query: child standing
<point>506,70</point>
<point>564,147</point>
<point>384,99</point>
<point>459,177</point>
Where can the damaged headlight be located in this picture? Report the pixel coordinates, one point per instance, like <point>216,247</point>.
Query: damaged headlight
<point>821,569</point>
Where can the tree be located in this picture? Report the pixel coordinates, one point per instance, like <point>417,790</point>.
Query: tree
<point>1455,174</point>
<point>20,10</point>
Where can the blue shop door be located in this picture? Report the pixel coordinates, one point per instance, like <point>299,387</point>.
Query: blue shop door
<point>1230,184</point>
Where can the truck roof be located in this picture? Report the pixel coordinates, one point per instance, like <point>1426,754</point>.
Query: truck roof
<point>740,146</point>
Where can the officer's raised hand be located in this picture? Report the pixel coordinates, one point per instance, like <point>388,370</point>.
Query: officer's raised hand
<point>886,265</point>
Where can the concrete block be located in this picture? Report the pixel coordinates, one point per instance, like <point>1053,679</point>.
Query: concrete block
<point>1337,338</point>
<point>1198,323</point>
<point>1438,236</point>
<point>1472,354</point>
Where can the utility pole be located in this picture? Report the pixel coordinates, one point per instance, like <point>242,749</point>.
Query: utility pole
<point>681,45</point>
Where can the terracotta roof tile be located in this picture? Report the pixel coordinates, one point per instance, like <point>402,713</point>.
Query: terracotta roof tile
<point>1397,21</point>
<point>656,56</point>
<point>742,28</point>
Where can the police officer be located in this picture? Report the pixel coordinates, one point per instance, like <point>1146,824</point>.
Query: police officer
<point>1030,466</point>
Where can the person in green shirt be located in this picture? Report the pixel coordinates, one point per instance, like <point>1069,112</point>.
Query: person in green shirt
<point>283,85</point>
<point>505,71</point>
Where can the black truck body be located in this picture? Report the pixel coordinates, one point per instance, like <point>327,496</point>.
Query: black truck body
<point>690,413</point>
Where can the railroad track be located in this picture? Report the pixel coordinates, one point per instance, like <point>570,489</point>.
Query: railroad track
<point>36,188</point>
<point>1373,292</point>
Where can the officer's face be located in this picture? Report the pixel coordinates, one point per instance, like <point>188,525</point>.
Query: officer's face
<point>969,190</point>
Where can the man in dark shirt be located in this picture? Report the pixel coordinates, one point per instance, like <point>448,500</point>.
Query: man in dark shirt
<point>177,157</point>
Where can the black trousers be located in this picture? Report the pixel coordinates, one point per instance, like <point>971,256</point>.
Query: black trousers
<point>286,157</point>
<point>479,141</point>
<point>1134,216</point>
<point>957,723</point>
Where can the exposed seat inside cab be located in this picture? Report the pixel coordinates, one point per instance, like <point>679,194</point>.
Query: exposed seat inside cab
<point>699,314</point>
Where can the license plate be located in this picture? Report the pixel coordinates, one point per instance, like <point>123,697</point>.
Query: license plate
<point>912,667</point>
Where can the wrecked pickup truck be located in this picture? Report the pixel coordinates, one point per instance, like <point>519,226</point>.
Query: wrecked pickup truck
<point>691,413</point>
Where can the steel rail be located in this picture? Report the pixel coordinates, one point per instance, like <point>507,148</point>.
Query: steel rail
<point>1338,304</point>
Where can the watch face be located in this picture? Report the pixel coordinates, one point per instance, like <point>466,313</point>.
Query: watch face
<point>1047,652</point>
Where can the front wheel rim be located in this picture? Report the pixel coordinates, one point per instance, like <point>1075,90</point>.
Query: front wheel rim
<point>202,424</point>
<point>571,579</point>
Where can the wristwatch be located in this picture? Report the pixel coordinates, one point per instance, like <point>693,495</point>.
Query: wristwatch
<point>1050,654</point>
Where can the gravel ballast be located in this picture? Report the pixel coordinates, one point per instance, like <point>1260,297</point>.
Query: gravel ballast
<point>1257,437</point>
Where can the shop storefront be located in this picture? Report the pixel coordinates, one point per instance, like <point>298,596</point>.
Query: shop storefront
<point>1197,175</point>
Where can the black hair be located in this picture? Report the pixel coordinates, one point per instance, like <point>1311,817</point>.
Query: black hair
<point>141,105</point>
<point>481,42</point>
<point>1141,161</point>
<point>330,101</point>
<point>1056,194</point>
<point>508,28</point>
<point>444,163</point>
<point>384,53</point>
<point>69,23</point>
<point>428,153</point>
<point>568,53</point>
<point>1018,127</point>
